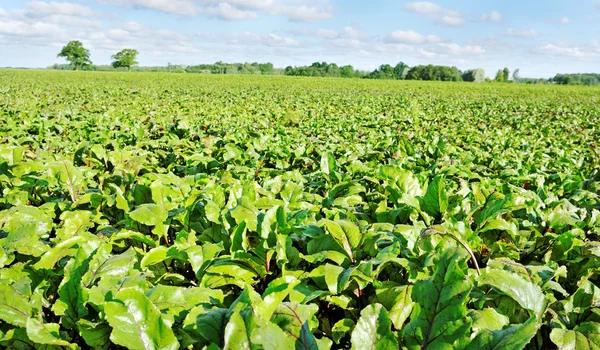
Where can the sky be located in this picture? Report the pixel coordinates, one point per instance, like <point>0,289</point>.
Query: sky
<point>541,38</point>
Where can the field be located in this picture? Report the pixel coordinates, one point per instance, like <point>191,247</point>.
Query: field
<point>165,211</point>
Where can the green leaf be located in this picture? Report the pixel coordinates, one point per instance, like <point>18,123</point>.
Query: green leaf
<point>236,335</point>
<point>397,300</point>
<point>439,315</point>
<point>137,323</point>
<point>71,302</point>
<point>488,319</point>
<point>64,248</point>
<point>271,337</point>
<point>346,234</point>
<point>341,329</point>
<point>46,333</point>
<point>435,201</point>
<point>526,293</point>
<point>24,240</point>
<point>154,256</point>
<point>150,214</point>
<point>246,212</point>
<point>14,307</point>
<point>373,330</point>
<point>96,335</point>
<point>509,337</point>
<point>585,336</point>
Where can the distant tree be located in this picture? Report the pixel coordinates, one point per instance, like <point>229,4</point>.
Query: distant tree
<point>125,58</point>
<point>347,71</point>
<point>499,76</point>
<point>400,70</point>
<point>506,74</point>
<point>516,76</point>
<point>431,72</point>
<point>474,75</point>
<point>76,54</point>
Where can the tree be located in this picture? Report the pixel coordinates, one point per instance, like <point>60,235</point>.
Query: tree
<point>499,76</point>
<point>76,54</point>
<point>400,70</point>
<point>474,75</point>
<point>125,58</point>
<point>347,71</point>
<point>506,74</point>
<point>516,76</point>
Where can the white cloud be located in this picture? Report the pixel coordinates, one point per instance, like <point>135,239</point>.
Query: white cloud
<point>410,37</point>
<point>24,29</point>
<point>493,16</point>
<point>227,12</point>
<point>304,13</point>
<point>522,33</point>
<point>563,51</point>
<point>455,49</point>
<point>327,33</point>
<point>565,20</point>
<point>436,13</point>
<point>233,10</point>
<point>42,9</point>
<point>355,34</point>
<point>176,7</point>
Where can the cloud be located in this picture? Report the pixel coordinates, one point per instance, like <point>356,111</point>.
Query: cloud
<point>227,12</point>
<point>436,13</point>
<point>410,37</point>
<point>558,50</point>
<point>522,33</point>
<point>355,34</point>
<point>43,9</point>
<point>304,13</point>
<point>564,20</point>
<point>24,29</point>
<point>176,7</point>
<point>493,16</point>
<point>455,49</point>
<point>235,10</point>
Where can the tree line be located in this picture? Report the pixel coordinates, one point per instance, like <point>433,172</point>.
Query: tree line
<point>79,58</point>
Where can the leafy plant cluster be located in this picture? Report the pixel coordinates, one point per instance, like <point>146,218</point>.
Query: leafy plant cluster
<point>162,212</point>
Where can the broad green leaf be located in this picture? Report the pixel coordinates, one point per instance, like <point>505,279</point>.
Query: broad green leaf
<point>71,302</point>
<point>47,333</point>
<point>373,330</point>
<point>149,214</point>
<point>137,324</point>
<point>439,315</point>
<point>435,201</point>
<point>510,337</point>
<point>526,293</point>
<point>585,336</point>
<point>96,335</point>
<point>15,308</point>
<point>346,234</point>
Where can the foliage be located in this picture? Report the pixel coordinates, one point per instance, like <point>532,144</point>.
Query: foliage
<point>474,75</point>
<point>577,79</point>
<point>125,58</point>
<point>76,54</point>
<point>431,72</point>
<point>161,211</point>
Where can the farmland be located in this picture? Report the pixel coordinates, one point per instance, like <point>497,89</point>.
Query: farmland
<point>167,211</point>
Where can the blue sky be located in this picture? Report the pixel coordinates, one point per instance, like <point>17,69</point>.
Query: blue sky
<point>540,38</point>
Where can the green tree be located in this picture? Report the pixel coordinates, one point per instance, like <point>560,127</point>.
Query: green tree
<point>499,76</point>
<point>506,74</point>
<point>76,54</point>
<point>347,71</point>
<point>125,58</point>
<point>400,70</point>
